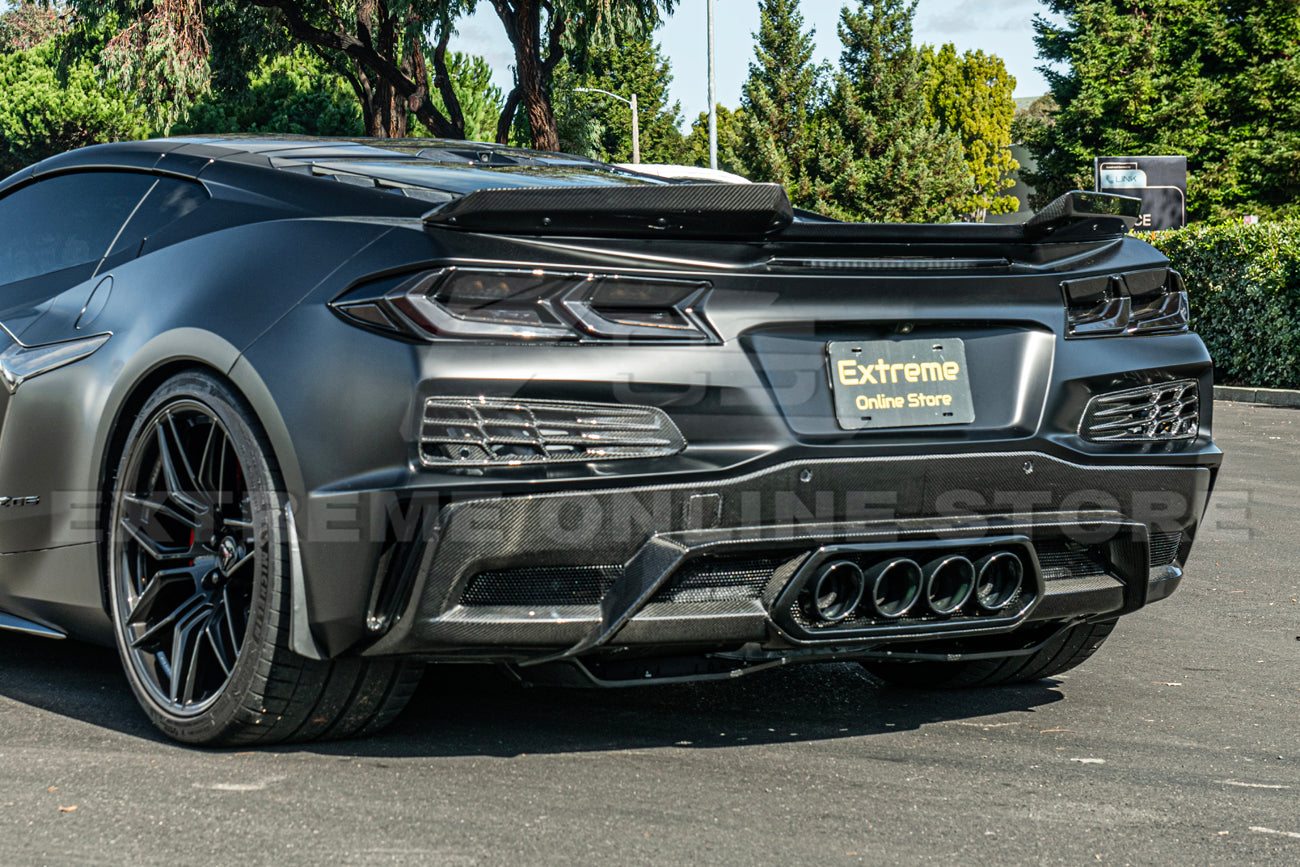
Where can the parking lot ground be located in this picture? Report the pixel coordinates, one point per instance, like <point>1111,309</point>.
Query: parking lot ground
<point>1178,743</point>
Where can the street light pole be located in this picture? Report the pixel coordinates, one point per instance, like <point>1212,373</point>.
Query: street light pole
<point>713,100</point>
<point>636,117</point>
<point>636,132</point>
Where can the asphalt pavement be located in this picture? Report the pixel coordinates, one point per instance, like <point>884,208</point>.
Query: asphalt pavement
<point>1176,744</point>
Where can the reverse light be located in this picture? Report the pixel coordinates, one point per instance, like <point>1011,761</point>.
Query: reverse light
<point>1150,301</point>
<point>518,304</point>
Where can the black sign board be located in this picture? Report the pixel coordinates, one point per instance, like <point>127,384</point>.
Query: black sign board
<point>1160,182</point>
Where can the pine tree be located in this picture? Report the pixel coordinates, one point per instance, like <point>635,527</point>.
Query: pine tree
<point>293,93</point>
<point>971,95</point>
<point>604,125</point>
<point>732,127</point>
<point>879,155</point>
<point>54,101</point>
<point>1218,82</point>
<point>480,100</point>
<point>780,99</point>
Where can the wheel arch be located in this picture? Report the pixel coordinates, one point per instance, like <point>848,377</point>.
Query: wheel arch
<point>161,359</point>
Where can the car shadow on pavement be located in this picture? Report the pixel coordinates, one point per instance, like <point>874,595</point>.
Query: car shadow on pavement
<point>472,710</point>
<point>80,681</point>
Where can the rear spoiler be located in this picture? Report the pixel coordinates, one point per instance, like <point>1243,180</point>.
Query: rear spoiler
<point>751,212</point>
<point>728,211</point>
<point>1078,214</point>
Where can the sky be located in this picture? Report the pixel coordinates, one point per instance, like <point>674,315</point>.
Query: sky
<point>1004,28</point>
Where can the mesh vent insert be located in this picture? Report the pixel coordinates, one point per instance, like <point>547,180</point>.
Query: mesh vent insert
<point>541,585</point>
<point>708,580</point>
<point>702,580</point>
<point>1059,561</point>
<point>1164,547</point>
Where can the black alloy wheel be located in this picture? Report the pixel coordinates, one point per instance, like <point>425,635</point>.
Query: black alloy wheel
<point>185,556</point>
<point>197,565</point>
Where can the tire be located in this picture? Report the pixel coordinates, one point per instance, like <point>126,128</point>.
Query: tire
<point>197,565</point>
<point>1063,652</point>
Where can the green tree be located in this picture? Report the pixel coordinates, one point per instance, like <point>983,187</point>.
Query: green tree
<point>381,48</point>
<point>480,100</point>
<point>635,65</point>
<point>1215,81</point>
<point>780,99</point>
<point>971,95</point>
<point>51,105</point>
<point>732,131</point>
<point>392,52</point>
<point>1041,110</point>
<point>295,93</point>
<point>879,155</point>
<point>27,24</point>
<point>542,32</point>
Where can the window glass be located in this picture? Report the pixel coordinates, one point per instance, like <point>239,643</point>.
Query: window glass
<point>167,202</point>
<point>64,221</point>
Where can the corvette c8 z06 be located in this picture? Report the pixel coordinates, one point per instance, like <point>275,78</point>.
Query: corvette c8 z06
<point>286,419</point>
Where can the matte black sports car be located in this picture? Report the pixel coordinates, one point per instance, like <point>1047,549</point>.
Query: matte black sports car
<point>286,419</point>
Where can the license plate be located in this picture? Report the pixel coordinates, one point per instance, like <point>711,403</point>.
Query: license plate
<point>899,383</point>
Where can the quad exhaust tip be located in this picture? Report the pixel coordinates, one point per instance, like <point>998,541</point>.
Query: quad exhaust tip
<point>949,583</point>
<point>998,578</point>
<point>837,590</point>
<point>894,586</point>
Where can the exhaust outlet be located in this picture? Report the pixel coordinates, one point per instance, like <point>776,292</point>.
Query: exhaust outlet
<point>894,586</point>
<point>949,582</point>
<point>836,591</point>
<point>998,578</point>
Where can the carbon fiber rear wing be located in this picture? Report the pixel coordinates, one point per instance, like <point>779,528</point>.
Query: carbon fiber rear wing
<point>751,212</point>
<point>736,211</point>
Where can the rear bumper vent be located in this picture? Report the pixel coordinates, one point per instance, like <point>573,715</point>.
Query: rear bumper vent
<point>485,432</point>
<point>541,586</point>
<point>1063,562</point>
<point>720,580</point>
<point>703,580</point>
<point>1164,547</point>
<point>1153,413</point>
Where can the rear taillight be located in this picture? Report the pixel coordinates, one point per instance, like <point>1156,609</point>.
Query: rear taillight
<point>516,304</point>
<point>1150,301</point>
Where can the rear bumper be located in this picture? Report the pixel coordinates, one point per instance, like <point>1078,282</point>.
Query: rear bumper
<point>707,567</point>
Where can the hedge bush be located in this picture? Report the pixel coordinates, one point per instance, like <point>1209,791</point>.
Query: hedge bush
<point>1244,285</point>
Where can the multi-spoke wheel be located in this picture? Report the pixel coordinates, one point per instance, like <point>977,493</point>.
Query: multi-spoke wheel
<point>197,565</point>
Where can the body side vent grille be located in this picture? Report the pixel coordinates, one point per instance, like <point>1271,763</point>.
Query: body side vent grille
<point>1163,412</point>
<point>481,432</point>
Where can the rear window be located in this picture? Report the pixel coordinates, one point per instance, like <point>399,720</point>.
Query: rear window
<point>439,181</point>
